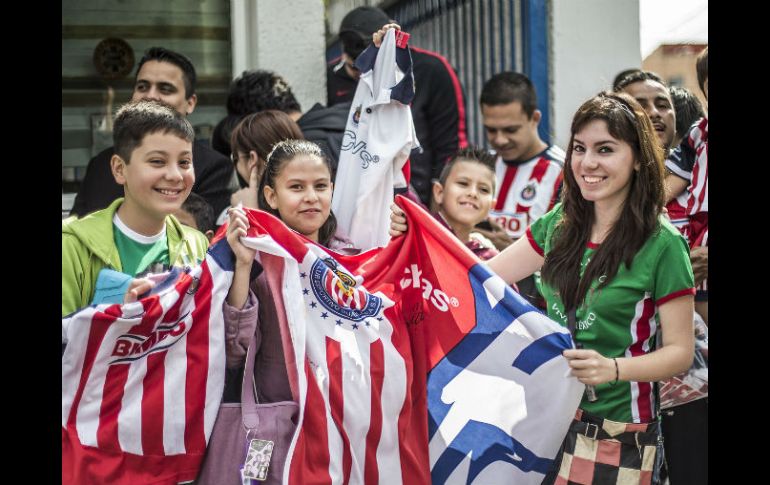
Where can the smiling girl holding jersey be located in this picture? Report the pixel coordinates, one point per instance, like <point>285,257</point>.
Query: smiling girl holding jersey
<point>296,187</point>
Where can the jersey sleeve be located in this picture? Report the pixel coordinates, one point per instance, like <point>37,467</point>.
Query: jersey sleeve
<point>682,159</point>
<point>673,272</point>
<point>556,197</point>
<point>540,230</point>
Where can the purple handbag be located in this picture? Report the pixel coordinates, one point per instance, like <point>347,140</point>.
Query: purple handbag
<point>237,424</point>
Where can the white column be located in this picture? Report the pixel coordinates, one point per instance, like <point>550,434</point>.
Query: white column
<point>286,37</point>
<point>592,40</point>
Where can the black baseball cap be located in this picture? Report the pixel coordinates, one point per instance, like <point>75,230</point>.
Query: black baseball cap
<point>358,26</point>
<point>364,21</point>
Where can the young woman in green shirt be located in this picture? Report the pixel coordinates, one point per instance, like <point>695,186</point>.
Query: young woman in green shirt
<point>608,256</point>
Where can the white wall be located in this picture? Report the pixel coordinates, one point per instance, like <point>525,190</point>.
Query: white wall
<point>286,37</point>
<point>592,40</point>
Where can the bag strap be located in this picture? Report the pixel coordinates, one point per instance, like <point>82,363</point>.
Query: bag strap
<point>249,388</point>
<point>249,395</point>
<point>597,432</point>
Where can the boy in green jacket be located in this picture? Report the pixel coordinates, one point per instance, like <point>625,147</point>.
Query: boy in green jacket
<point>136,234</point>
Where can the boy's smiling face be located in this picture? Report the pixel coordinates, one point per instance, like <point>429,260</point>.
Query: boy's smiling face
<point>467,195</point>
<point>156,181</point>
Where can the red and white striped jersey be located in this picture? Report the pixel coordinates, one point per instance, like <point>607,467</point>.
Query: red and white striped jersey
<point>142,382</point>
<point>694,228</point>
<point>690,161</point>
<point>527,190</point>
<point>677,211</point>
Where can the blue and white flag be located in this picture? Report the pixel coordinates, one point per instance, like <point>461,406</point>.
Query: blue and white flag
<point>500,397</point>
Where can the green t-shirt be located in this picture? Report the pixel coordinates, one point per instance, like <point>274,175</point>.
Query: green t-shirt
<point>621,319</point>
<point>138,253</point>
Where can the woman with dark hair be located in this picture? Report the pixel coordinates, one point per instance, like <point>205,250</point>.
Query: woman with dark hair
<point>296,187</point>
<point>617,268</point>
<point>614,271</point>
<point>252,140</point>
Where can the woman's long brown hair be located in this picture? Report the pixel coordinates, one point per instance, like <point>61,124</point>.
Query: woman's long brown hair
<point>626,121</point>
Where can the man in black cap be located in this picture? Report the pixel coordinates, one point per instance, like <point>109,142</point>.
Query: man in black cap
<point>168,76</point>
<point>438,107</point>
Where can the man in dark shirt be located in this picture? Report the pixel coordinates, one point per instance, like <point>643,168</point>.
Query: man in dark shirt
<point>438,107</point>
<point>169,77</point>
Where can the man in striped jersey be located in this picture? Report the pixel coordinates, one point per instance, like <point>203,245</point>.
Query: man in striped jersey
<point>651,92</point>
<point>687,179</point>
<point>528,170</point>
<point>688,173</point>
<point>685,426</point>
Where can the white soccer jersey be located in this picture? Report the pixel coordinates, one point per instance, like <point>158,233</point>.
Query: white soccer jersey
<point>379,136</point>
<point>526,191</point>
<point>142,382</point>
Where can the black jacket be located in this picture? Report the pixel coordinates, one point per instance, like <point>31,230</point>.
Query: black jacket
<point>213,172</point>
<point>438,111</point>
<point>326,127</point>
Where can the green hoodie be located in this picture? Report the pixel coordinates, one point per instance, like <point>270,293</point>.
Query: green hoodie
<point>88,246</point>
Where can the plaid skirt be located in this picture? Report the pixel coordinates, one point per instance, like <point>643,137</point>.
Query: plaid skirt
<point>604,452</point>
